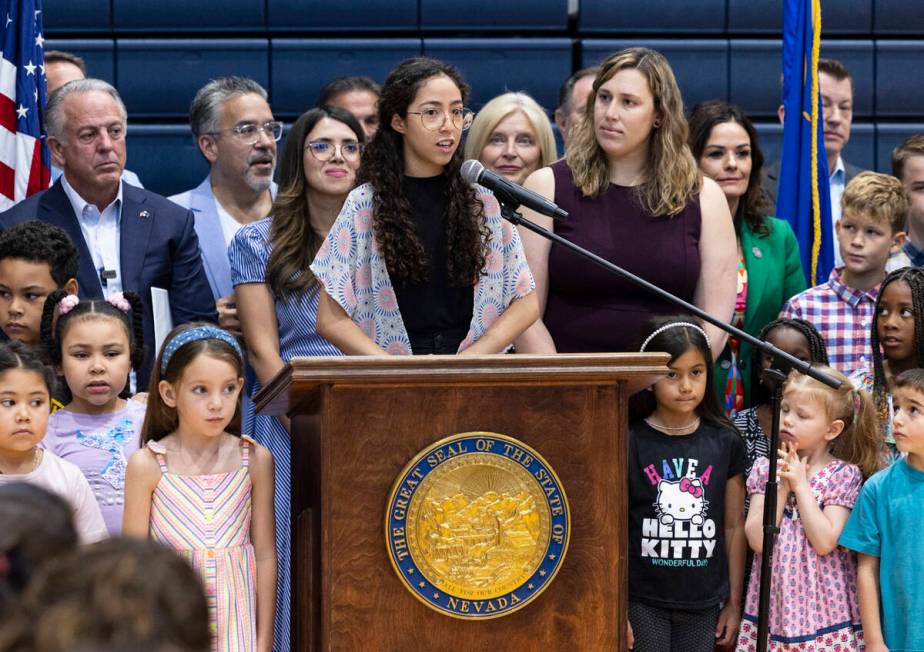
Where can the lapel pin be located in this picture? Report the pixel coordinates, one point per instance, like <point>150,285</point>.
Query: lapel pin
<point>757,252</point>
<point>146,214</point>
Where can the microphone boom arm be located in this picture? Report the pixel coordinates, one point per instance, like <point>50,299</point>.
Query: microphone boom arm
<point>791,361</point>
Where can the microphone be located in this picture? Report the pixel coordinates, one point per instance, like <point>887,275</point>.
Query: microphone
<point>508,193</point>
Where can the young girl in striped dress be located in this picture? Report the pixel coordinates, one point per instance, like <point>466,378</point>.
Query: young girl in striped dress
<point>198,486</point>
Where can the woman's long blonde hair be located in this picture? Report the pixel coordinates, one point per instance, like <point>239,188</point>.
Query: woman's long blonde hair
<point>671,174</point>
<point>860,442</point>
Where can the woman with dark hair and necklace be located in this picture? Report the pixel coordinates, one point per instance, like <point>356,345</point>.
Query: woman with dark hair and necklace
<point>419,261</point>
<point>277,295</point>
<point>726,148</point>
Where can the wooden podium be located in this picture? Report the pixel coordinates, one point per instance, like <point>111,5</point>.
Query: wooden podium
<point>356,423</point>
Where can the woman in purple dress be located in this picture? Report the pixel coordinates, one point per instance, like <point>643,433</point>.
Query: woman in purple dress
<point>635,197</point>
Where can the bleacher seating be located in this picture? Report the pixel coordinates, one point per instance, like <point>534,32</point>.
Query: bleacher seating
<point>302,66</point>
<point>491,16</point>
<point>99,54</point>
<point>861,151</point>
<point>147,68</point>
<point>165,157</point>
<point>494,66</point>
<point>890,136</point>
<point>858,56</point>
<point>651,17</point>
<point>344,16</point>
<point>898,17</point>
<point>766,17</point>
<point>159,53</point>
<point>201,15</point>
<point>63,16</point>
<point>899,92</point>
<point>700,66</point>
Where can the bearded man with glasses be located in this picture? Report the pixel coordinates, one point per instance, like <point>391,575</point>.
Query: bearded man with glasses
<point>129,239</point>
<point>233,126</point>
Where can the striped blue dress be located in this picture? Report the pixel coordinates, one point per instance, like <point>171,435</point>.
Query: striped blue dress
<point>296,319</point>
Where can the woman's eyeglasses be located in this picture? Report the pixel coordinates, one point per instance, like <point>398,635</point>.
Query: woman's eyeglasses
<point>324,151</point>
<point>434,119</point>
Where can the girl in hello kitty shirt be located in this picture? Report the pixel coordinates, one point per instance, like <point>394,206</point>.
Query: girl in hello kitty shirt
<point>686,503</point>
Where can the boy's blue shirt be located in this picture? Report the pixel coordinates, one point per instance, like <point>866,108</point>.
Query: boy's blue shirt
<point>888,522</point>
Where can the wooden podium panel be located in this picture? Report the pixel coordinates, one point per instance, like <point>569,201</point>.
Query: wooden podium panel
<point>358,421</point>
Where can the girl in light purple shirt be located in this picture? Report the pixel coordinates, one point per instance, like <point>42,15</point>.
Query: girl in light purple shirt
<point>96,344</point>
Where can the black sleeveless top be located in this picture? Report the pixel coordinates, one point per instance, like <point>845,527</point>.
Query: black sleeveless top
<point>436,314</point>
<point>590,310</point>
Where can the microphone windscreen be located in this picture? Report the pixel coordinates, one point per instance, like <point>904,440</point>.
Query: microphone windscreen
<point>471,170</point>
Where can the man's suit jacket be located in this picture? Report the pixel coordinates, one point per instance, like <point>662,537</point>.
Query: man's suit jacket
<point>201,201</point>
<point>158,248</point>
<point>771,180</point>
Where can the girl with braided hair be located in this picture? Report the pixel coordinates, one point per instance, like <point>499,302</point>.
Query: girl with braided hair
<point>897,339</point>
<point>96,344</point>
<point>419,261</point>
<point>796,337</point>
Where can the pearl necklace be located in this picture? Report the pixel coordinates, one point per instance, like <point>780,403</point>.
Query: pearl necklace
<point>36,458</point>
<point>693,425</point>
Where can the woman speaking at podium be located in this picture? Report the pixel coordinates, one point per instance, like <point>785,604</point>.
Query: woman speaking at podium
<point>634,196</point>
<point>419,261</point>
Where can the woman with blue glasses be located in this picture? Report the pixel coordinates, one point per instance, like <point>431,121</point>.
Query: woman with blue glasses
<point>277,293</point>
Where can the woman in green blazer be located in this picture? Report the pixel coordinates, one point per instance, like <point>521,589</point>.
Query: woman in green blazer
<point>724,143</point>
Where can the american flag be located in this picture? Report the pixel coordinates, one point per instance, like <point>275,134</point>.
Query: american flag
<point>24,159</point>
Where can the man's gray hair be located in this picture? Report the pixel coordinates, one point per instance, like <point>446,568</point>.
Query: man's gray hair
<point>54,108</point>
<point>205,110</point>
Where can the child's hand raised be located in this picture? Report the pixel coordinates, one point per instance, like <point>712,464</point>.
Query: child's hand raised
<point>782,483</point>
<point>793,469</point>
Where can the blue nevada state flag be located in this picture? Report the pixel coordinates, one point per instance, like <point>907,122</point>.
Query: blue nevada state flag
<point>803,196</point>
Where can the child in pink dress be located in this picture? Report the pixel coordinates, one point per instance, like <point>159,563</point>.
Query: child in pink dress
<point>201,488</point>
<point>830,443</point>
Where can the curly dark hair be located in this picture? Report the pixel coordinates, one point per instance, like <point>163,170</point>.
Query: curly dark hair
<point>294,241</point>
<point>703,118</point>
<point>913,277</point>
<point>40,242</point>
<point>54,327</point>
<point>816,345</point>
<point>383,167</point>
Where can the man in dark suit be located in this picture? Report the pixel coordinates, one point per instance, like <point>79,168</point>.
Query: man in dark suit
<point>128,238</point>
<point>835,86</point>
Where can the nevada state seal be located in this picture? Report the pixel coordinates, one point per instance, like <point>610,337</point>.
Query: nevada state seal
<point>477,525</point>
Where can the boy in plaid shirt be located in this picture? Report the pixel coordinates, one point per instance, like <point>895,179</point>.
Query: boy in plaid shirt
<point>870,230</point>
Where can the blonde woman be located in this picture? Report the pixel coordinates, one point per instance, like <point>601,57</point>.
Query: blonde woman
<point>635,197</point>
<point>512,137</point>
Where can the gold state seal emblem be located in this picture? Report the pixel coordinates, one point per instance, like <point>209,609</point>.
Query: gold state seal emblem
<point>477,525</point>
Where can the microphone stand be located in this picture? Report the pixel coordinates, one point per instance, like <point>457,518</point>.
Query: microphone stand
<point>779,369</point>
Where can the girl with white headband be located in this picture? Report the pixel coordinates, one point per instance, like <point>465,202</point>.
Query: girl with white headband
<point>686,503</point>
